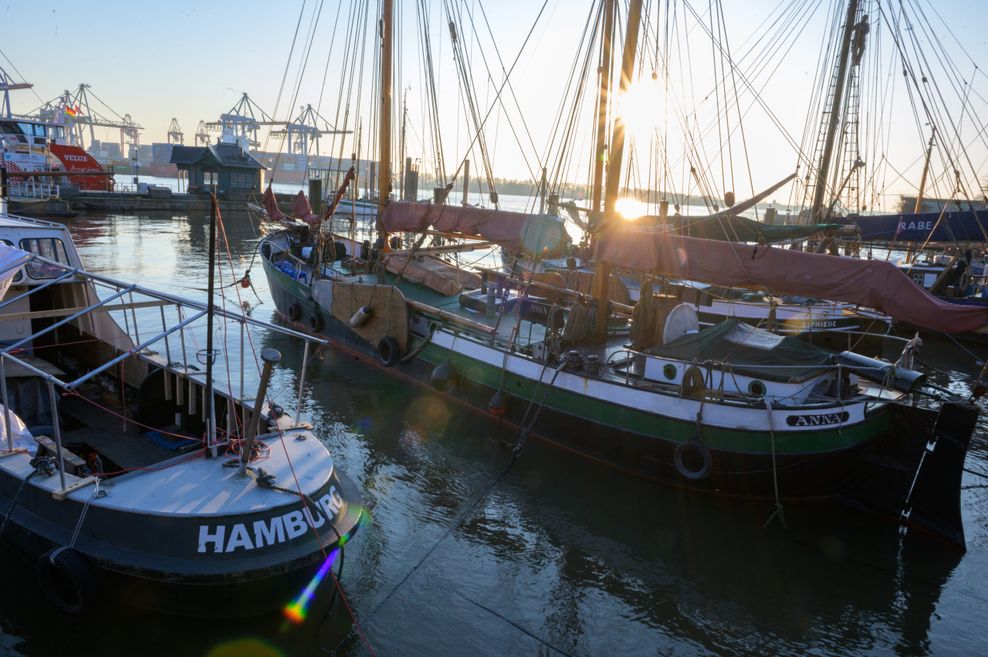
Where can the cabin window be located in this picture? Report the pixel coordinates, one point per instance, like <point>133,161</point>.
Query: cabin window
<point>241,180</point>
<point>46,247</point>
<point>669,371</point>
<point>19,276</point>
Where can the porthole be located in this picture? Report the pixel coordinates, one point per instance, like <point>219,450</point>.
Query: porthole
<point>756,388</point>
<point>669,371</point>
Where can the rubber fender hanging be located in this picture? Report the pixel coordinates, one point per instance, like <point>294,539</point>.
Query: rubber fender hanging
<point>316,322</point>
<point>693,384</point>
<point>68,580</point>
<point>294,311</point>
<point>388,351</point>
<point>687,455</point>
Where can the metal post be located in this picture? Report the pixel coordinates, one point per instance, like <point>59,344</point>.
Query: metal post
<point>210,312</point>
<point>164,327</point>
<point>270,357</point>
<point>58,432</point>
<point>301,383</point>
<point>6,405</point>
<point>240,393</point>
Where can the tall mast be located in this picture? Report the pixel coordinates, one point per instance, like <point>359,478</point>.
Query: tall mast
<point>926,171</point>
<point>600,145</point>
<point>384,158</point>
<point>617,132</point>
<point>834,123</point>
<point>601,280</point>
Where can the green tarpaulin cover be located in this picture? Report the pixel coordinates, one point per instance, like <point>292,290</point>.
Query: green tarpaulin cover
<point>750,351</point>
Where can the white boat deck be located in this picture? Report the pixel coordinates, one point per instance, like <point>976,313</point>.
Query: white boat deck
<point>190,485</point>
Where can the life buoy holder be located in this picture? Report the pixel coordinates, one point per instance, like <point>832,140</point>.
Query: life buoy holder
<point>67,579</point>
<point>316,322</point>
<point>684,456</point>
<point>294,312</point>
<point>388,351</point>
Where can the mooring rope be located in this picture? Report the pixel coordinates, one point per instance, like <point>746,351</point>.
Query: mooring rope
<point>779,511</point>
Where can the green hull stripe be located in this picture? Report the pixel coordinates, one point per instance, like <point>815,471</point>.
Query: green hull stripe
<point>787,443</point>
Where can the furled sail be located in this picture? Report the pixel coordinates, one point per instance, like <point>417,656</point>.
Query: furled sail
<point>538,234</point>
<point>871,283</point>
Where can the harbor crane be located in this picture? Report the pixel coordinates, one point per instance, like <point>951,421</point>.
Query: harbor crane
<point>175,134</point>
<point>303,130</point>
<point>7,85</point>
<point>75,111</point>
<point>202,134</point>
<point>245,119</point>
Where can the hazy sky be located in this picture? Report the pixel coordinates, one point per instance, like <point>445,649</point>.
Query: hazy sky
<point>191,61</point>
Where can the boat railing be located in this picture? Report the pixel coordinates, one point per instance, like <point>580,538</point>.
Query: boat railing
<point>176,338</point>
<point>32,188</point>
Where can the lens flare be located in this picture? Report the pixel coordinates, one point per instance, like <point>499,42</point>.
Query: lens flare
<point>296,610</point>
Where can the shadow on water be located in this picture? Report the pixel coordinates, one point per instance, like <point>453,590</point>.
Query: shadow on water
<point>554,555</point>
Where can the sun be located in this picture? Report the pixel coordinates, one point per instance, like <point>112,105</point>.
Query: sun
<point>630,208</point>
<point>640,107</point>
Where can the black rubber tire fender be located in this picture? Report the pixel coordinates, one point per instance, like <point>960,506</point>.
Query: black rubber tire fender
<point>388,351</point>
<point>68,580</point>
<point>316,322</point>
<point>294,311</point>
<point>680,455</point>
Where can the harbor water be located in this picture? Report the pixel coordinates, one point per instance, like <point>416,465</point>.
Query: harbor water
<point>465,552</point>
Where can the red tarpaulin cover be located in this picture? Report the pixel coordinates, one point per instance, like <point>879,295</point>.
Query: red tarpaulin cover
<point>302,209</point>
<point>872,283</point>
<point>271,206</point>
<point>537,233</point>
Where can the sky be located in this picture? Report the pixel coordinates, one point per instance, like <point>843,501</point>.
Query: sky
<point>192,61</point>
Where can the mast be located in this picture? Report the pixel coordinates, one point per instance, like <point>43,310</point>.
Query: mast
<point>600,145</point>
<point>835,105</point>
<point>601,280</point>
<point>617,132</point>
<point>926,171</point>
<point>401,147</point>
<point>384,168</point>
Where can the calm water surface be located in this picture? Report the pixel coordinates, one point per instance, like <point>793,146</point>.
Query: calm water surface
<point>553,556</point>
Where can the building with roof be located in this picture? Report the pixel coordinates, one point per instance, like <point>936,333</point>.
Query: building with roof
<point>227,166</point>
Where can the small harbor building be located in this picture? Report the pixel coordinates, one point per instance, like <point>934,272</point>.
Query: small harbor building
<point>227,166</point>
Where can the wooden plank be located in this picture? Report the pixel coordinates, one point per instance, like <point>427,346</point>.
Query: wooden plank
<point>446,316</point>
<point>61,494</point>
<point>68,457</point>
<point>389,317</point>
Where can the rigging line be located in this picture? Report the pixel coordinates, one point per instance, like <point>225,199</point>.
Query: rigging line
<point>329,55</point>
<point>947,153</point>
<point>757,96</point>
<point>507,77</point>
<point>570,126</point>
<point>717,87</point>
<point>284,76</point>
<point>465,81</point>
<point>422,14</point>
<point>948,66</point>
<point>490,81</point>
<point>737,105</point>
<point>497,51</point>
